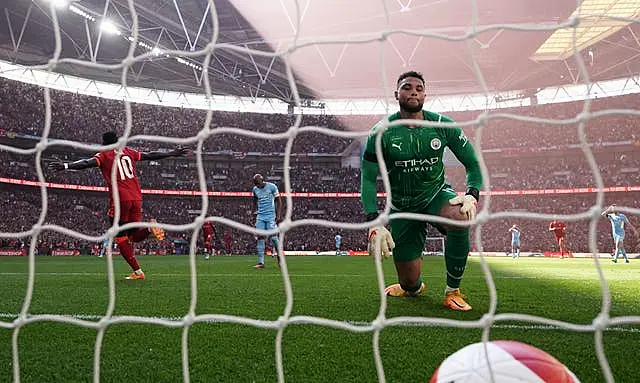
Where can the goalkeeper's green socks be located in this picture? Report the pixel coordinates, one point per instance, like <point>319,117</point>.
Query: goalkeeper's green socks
<point>456,253</point>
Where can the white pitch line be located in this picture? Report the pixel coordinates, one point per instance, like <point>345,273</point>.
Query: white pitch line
<point>90,317</point>
<point>252,275</point>
<point>259,274</point>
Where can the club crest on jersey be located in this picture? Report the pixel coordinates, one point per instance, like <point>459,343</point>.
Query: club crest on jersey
<point>436,144</point>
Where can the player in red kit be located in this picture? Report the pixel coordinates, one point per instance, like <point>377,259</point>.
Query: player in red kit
<point>559,228</point>
<point>228,238</point>
<point>209,234</point>
<point>129,192</point>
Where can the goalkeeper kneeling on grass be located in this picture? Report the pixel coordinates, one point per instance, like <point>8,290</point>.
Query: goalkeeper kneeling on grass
<point>413,157</point>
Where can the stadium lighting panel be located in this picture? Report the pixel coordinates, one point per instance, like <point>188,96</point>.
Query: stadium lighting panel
<point>109,27</point>
<point>60,4</point>
<point>81,12</point>
<point>597,21</point>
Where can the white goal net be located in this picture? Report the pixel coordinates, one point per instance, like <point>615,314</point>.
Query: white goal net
<point>378,42</point>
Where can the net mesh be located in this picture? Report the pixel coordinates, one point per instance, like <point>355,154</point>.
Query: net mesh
<point>598,325</point>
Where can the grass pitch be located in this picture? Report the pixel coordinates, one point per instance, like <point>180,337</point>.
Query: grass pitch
<point>337,288</point>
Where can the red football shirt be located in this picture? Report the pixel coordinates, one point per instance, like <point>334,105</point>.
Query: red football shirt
<point>558,228</point>
<point>207,229</point>
<point>128,185</point>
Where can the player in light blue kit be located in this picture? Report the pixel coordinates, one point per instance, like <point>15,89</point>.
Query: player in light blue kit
<point>338,243</point>
<point>618,220</point>
<point>515,241</point>
<point>103,247</point>
<point>269,208</point>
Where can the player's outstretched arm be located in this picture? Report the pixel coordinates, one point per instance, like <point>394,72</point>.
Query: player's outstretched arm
<point>151,156</point>
<point>77,165</point>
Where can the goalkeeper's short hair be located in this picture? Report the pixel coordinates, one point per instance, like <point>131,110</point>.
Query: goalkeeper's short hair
<point>410,74</point>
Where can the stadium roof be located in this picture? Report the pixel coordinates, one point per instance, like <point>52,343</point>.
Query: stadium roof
<point>334,69</point>
<point>598,20</point>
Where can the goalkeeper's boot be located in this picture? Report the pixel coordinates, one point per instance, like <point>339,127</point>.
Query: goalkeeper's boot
<point>136,276</point>
<point>396,291</point>
<point>259,266</point>
<point>455,301</point>
<point>157,232</point>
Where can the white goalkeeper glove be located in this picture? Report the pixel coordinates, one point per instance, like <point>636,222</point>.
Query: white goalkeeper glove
<point>469,205</point>
<point>380,242</point>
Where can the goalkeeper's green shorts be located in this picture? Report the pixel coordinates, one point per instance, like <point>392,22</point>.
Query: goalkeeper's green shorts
<point>409,235</point>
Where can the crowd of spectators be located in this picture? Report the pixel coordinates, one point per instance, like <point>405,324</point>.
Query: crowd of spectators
<point>85,213</point>
<point>518,155</point>
<point>504,132</point>
<point>501,132</point>
<point>85,118</point>
<point>620,167</point>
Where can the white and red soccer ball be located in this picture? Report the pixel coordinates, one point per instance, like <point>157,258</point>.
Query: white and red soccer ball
<point>510,362</point>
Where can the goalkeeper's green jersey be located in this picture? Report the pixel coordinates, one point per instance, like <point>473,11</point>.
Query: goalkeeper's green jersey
<point>413,157</point>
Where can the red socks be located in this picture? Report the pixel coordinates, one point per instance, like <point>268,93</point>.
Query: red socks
<point>127,252</point>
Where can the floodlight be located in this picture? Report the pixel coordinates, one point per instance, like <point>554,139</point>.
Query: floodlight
<point>109,27</point>
<point>60,4</point>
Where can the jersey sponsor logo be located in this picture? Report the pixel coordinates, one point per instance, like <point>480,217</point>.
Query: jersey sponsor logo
<point>436,144</point>
<point>417,165</point>
<point>418,162</point>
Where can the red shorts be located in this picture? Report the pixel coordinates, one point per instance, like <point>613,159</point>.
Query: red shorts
<point>130,211</point>
<point>559,237</point>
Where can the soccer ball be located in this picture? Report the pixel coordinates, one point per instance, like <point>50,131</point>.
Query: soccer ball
<point>510,362</point>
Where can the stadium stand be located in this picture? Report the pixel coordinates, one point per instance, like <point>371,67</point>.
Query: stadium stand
<point>518,156</point>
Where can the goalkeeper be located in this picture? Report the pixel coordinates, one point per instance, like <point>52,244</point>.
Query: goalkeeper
<point>413,157</point>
